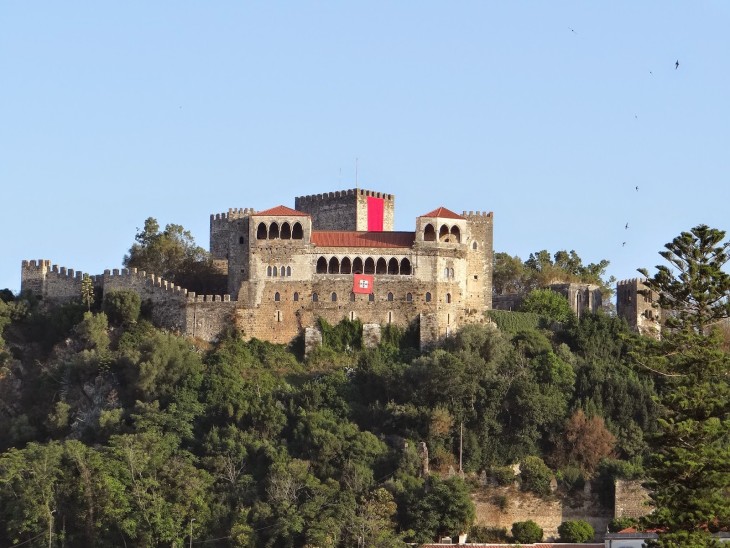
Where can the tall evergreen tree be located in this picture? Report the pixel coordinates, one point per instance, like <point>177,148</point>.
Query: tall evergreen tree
<point>690,465</point>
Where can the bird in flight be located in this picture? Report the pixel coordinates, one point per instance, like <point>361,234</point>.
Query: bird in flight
<point>676,64</point>
<point>573,31</point>
<point>637,188</point>
<point>627,226</point>
<point>623,244</point>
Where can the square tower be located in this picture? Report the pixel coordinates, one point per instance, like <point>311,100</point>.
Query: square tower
<point>355,209</point>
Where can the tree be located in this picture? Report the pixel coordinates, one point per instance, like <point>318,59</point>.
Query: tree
<point>576,531</point>
<point>689,467</point>
<point>586,442</point>
<point>535,476</point>
<point>122,307</point>
<point>526,532</point>
<point>548,303</point>
<point>173,255</point>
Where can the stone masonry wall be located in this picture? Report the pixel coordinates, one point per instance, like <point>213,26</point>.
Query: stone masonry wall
<point>632,500</point>
<point>503,506</point>
<point>344,209</point>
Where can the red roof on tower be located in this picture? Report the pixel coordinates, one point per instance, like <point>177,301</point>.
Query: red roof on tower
<point>443,213</point>
<point>282,211</point>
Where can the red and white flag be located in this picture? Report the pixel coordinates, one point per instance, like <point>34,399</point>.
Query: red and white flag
<point>362,283</point>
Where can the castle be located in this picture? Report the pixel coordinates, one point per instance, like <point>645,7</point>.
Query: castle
<point>333,256</point>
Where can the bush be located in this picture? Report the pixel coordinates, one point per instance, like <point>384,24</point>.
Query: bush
<point>512,322</point>
<point>576,531</point>
<point>122,307</point>
<point>502,475</point>
<point>526,532</point>
<point>619,524</point>
<point>535,476</point>
<point>482,533</point>
<point>571,478</point>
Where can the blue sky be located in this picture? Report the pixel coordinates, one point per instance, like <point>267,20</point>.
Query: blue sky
<point>549,114</point>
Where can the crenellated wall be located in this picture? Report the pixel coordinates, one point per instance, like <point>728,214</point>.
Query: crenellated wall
<point>345,209</point>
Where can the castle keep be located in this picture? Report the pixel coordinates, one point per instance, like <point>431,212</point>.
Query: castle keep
<point>288,267</point>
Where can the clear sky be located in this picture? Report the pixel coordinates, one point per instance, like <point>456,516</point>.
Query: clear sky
<point>549,114</point>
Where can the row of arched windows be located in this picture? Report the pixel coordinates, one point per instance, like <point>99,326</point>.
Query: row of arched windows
<point>445,234</point>
<point>276,232</point>
<point>368,266</point>
<point>274,271</point>
<point>371,297</point>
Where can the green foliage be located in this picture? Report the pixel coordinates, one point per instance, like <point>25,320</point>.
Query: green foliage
<point>690,451</point>
<point>346,336</point>
<point>526,532</point>
<point>502,475</point>
<point>619,524</point>
<point>438,508</point>
<point>547,303</point>
<point>173,254</point>
<point>535,476</point>
<point>122,307</point>
<point>576,531</point>
<point>87,292</point>
<point>484,534</point>
<point>513,322</point>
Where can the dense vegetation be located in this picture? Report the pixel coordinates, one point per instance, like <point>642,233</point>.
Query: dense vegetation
<point>115,433</point>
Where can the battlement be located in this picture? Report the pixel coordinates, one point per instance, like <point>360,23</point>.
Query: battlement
<point>343,194</point>
<point>631,281</point>
<point>116,276</point>
<point>232,214</point>
<point>477,214</point>
<point>193,298</point>
<point>40,263</point>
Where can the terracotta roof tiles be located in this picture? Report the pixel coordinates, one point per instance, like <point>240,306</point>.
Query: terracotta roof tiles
<point>343,238</point>
<point>281,211</point>
<point>443,213</point>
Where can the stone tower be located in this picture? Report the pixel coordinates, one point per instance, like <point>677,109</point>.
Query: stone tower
<point>641,311</point>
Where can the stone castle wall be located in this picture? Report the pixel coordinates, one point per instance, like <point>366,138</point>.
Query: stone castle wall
<point>345,209</point>
<point>640,311</point>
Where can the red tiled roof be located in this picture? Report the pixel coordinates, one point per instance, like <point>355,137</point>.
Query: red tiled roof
<point>282,211</point>
<point>343,238</point>
<point>536,545</point>
<point>443,213</point>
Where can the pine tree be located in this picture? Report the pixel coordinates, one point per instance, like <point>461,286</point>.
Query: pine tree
<point>689,468</point>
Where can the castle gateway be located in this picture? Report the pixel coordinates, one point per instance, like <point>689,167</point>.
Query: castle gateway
<point>334,256</point>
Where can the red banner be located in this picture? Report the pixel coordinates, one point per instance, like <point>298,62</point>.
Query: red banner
<point>375,214</point>
<point>363,283</point>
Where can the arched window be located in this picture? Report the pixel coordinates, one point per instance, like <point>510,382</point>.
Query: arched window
<point>428,297</point>
<point>390,296</point>
<point>288,271</point>
<point>321,265</point>
<point>405,267</point>
<point>285,231</point>
<point>352,297</point>
<point>456,234</point>
<point>357,266</point>
<point>429,233</point>
<point>315,298</point>
<point>261,232</point>
<point>297,233</point>
<point>296,296</point>
<point>274,271</point>
<point>282,271</point>
<point>451,273</point>
<point>334,297</point>
<point>277,297</point>
<point>371,297</point>
<point>444,233</point>
<point>393,266</point>
<point>268,271</point>
<point>273,231</point>
<point>446,272</point>
<point>448,298</point>
<point>369,266</point>
<point>346,266</point>
<point>240,240</point>
<point>474,246</point>
<point>381,267</point>
<point>334,267</point>
<point>409,297</point>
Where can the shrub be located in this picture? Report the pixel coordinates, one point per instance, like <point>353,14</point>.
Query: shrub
<point>535,475</point>
<point>512,322</point>
<point>502,475</point>
<point>122,307</point>
<point>483,533</point>
<point>526,532</point>
<point>619,524</point>
<point>571,478</point>
<point>576,531</point>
